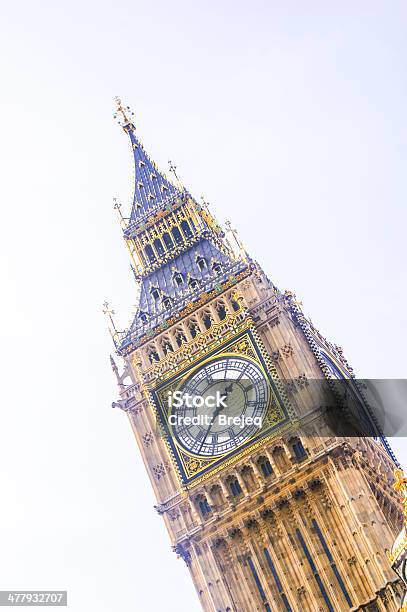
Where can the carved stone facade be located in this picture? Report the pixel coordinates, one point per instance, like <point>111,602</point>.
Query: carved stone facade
<point>299,520</point>
<point>306,532</point>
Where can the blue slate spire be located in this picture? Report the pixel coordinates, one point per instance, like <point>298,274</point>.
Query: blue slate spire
<point>152,189</point>
<point>179,250</point>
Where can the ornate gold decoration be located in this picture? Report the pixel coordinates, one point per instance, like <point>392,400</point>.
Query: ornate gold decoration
<point>400,486</point>
<point>204,341</point>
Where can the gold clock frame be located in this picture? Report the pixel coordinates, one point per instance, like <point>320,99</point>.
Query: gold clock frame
<point>191,468</point>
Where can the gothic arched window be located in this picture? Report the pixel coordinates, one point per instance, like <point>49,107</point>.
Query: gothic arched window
<point>207,320</point>
<point>280,459</point>
<point>176,234</point>
<point>265,466</point>
<point>150,253</point>
<point>186,230</point>
<point>168,241</point>
<point>234,486</point>
<point>153,356</point>
<point>178,279</point>
<point>193,283</point>
<point>248,477</point>
<point>143,317</point>
<point>221,310</point>
<point>167,346</point>
<point>235,305</point>
<point>201,263</point>
<point>298,449</point>
<point>158,246</point>
<point>217,267</point>
<point>155,292</point>
<point>193,328</point>
<point>180,338</point>
<point>203,505</point>
<point>167,302</point>
<point>217,496</point>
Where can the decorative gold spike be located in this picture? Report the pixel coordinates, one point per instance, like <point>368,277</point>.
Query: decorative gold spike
<point>400,486</point>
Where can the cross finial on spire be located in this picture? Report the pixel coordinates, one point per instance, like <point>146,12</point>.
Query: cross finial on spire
<point>117,206</point>
<point>173,169</point>
<point>109,312</point>
<point>124,111</point>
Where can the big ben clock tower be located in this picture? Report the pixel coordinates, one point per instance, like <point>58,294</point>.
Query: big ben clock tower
<point>270,506</point>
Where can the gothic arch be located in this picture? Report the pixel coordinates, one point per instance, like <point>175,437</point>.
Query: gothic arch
<point>248,477</point>
<point>281,459</point>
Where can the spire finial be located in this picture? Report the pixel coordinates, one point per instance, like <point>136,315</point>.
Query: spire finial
<point>135,273</point>
<point>173,170</point>
<point>109,312</point>
<point>205,204</point>
<point>124,111</point>
<point>117,206</point>
<point>241,249</point>
<point>230,229</point>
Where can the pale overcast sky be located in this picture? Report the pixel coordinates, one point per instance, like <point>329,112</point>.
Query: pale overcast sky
<point>289,117</point>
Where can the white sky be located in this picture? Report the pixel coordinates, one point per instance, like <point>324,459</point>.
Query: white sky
<point>290,119</point>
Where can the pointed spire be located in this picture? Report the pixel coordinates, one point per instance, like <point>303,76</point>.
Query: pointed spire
<point>114,366</point>
<point>109,312</point>
<point>173,169</point>
<point>152,189</point>
<point>237,244</point>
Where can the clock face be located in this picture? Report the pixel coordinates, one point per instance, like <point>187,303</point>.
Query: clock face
<point>220,406</point>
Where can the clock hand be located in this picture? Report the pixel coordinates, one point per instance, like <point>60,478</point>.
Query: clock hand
<point>215,414</point>
<point>218,409</point>
<point>229,389</point>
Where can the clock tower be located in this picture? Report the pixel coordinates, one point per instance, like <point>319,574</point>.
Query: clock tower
<point>270,505</point>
